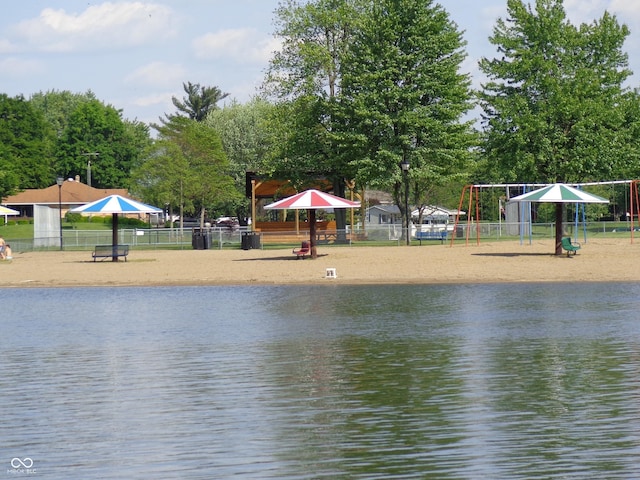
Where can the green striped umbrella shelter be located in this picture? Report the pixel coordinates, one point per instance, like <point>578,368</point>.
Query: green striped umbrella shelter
<point>559,193</point>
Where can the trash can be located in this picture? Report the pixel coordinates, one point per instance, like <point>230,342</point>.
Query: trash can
<point>459,232</point>
<point>250,240</point>
<point>197,241</point>
<point>200,240</point>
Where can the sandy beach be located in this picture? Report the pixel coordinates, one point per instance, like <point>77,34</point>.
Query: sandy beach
<point>599,260</point>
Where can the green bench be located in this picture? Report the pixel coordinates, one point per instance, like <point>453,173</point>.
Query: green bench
<point>570,247</point>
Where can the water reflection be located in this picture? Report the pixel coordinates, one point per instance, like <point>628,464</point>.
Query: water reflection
<point>487,381</point>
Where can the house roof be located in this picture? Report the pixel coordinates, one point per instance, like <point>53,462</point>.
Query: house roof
<point>388,209</point>
<point>435,211</point>
<point>72,193</point>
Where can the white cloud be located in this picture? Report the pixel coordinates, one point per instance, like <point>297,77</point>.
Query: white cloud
<point>107,25</point>
<point>584,11</point>
<point>630,10</point>
<point>17,67</point>
<point>587,11</point>
<point>6,46</point>
<point>242,45</point>
<point>157,74</point>
<point>155,99</point>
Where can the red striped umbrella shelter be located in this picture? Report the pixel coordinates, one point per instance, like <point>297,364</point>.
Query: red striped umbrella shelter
<point>312,200</point>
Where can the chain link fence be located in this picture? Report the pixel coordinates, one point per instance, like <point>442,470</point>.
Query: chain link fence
<point>224,238</point>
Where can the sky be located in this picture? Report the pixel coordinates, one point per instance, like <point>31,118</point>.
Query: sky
<point>135,55</point>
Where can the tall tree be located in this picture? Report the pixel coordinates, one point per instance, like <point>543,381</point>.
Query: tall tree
<point>403,98</point>
<point>305,78</point>
<point>245,135</point>
<point>25,147</point>
<point>57,106</point>
<point>95,127</point>
<point>196,105</point>
<point>555,108</point>
<point>161,179</point>
<point>202,182</point>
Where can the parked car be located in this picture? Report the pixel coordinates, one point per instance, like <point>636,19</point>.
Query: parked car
<point>230,223</point>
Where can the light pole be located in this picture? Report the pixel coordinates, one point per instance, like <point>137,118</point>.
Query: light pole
<point>60,181</point>
<point>404,165</point>
<point>91,154</point>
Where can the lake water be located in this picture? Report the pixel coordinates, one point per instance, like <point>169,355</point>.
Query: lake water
<point>514,381</point>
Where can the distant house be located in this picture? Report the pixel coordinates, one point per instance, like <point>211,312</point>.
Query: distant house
<point>432,214</point>
<point>48,205</point>
<point>390,214</point>
<point>383,215</point>
<point>71,194</point>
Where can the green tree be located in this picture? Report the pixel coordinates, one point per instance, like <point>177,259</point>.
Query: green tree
<point>196,105</point>
<point>187,164</point>
<point>99,128</point>
<point>245,135</point>
<point>403,98</point>
<point>57,106</point>
<point>163,175</point>
<point>305,78</point>
<point>555,106</point>
<point>25,147</point>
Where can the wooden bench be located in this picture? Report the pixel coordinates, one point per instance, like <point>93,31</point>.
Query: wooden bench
<point>110,251</point>
<point>325,236</point>
<point>442,236</point>
<point>570,247</point>
<point>303,251</point>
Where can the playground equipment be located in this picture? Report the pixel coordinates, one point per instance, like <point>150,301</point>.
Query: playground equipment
<point>472,195</point>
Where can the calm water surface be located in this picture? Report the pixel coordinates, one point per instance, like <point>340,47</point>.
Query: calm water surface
<point>340,382</point>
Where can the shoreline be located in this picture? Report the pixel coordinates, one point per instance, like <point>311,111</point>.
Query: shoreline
<point>599,260</point>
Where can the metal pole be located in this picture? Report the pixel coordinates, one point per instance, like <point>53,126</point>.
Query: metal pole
<point>404,165</point>
<point>406,205</point>
<point>60,181</point>
<point>91,154</point>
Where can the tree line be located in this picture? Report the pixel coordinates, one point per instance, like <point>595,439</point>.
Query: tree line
<point>358,87</point>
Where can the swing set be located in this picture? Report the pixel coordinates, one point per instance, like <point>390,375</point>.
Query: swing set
<point>472,195</point>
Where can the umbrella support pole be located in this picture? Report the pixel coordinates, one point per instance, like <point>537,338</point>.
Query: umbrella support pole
<point>114,237</point>
<point>559,211</point>
<point>312,232</point>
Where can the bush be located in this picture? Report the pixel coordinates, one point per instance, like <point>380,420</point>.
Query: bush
<point>128,222</point>
<point>73,217</point>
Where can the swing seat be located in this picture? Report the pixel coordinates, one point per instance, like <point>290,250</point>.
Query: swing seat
<point>570,247</point>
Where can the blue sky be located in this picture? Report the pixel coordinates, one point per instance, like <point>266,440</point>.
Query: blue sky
<point>136,54</point>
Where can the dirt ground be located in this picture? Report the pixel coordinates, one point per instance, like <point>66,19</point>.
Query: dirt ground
<point>598,260</point>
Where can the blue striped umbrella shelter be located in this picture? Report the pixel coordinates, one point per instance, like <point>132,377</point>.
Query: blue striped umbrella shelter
<point>116,204</point>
